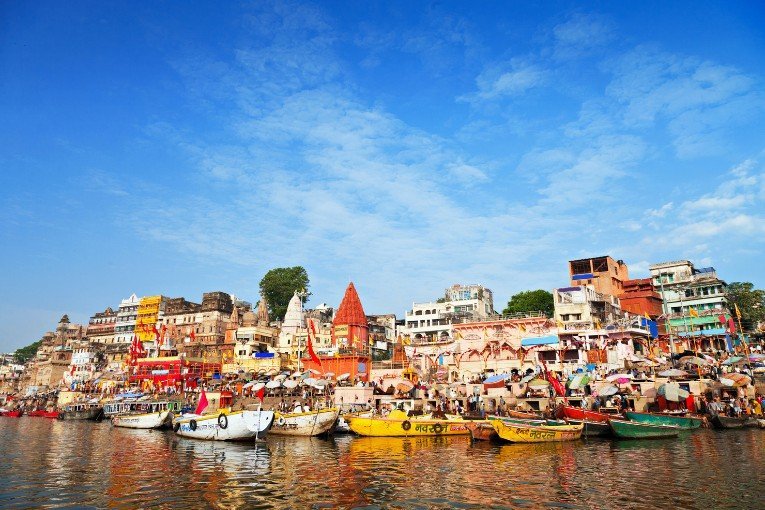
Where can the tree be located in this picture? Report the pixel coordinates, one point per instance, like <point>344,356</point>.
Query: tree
<point>750,301</point>
<point>531,301</point>
<point>24,354</point>
<point>278,286</point>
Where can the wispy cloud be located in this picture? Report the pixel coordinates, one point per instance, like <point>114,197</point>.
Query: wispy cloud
<point>581,34</point>
<point>507,79</point>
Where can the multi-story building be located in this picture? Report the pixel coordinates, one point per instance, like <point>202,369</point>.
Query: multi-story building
<point>382,335</point>
<point>101,327</point>
<point>604,274</point>
<point>85,360</point>
<point>696,304</point>
<point>180,319</point>
<point>640,298</point>
<point>433,320</point>
<point>124,327</point>
<point>150,309</point>
<point>216,312</point>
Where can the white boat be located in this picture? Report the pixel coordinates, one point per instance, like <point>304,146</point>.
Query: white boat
<point>225,425</point>
<point>310,423</point>
<point>142,421</point>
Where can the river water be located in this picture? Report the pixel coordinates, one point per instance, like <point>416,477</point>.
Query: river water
<point>53,464</point>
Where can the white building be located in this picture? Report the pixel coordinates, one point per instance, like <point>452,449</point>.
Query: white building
<point>433,321</point>
<point>126,319</point>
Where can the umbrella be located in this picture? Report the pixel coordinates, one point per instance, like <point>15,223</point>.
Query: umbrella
<point>280,377</point>
<point>756,357</point>
<point>314,371</point>
<point>329,374</point>
<point>608,391</point>
<point>616,377</point>
<point>290,384</point>
<point>538,384</point>
<point>258,386</point>
<point>296,373</point>
<point>672,391</point>
<point>249,385</point>
<point>309,381</point>
<point>273,384</point>
<point>734,380</point>
<point>527,378</point>
<point>578,381</point>
<point>343,377</point>
<point>273,371</point>
<point>673,372</point>
<point>320,384</point>
<point>694,360</point>
<point>732,360</point>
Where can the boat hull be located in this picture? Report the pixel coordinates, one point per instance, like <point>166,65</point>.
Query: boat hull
<point>522,433</point>
<point>684,422</point>
<point>387,427</point>
<point>12,414</point>
<point>727,422</point>
<point>481,431</point>
<point>235,426</point>
<point>141,421</point>
<point>593,428</point>
<point>313,423</point>
<point>576,413</point>
<point>92,414</point>
<point>636,430</point>
<point>43,414</point>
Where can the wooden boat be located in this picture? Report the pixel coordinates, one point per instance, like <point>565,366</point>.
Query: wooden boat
<point>225,425</point>
<point>524,415</point>
<point>311,423</point>
<point>481,431</point>
<point>399,424</point>
<point>727,422</point>
<point>593,428</point>
<point>577,413</point>
<point>93,412</point>
<point>635,430</point>
<point>40,413</point>
<point>523,433</point>
<point>15,413</point>
<point>684,422</point>
<point>152,420</point>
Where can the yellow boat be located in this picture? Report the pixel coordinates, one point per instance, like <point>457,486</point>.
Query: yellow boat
<point>398,424</point>
<point>518,432</point>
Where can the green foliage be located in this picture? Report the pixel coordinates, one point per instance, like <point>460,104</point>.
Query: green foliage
<point>750,301</point>
<point>278,286</point>
<point>24,354</point>
<point>531,301</point>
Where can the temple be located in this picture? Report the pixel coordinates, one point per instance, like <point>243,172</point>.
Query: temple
<point>350,331</point>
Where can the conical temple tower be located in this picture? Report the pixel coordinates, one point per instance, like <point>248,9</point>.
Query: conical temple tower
<point>349,328</point>
<point>294,319</point>
<point>263,312</point>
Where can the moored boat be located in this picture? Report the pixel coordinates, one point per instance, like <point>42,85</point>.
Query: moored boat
<point>523,415</point>
<point>399,424</point>
<point>684,422</point>
<point>728,422</point>
<point>593,428</point>
<point>635,430</point>
<point>11,413</point>
<point>518,432</point>
<point>40,413</point>
<point>224,425</point>
<point>481,431</point>
<point>93,412</point>
<point>310,423</point>
<point>152,420</point>
<point>577,413</point>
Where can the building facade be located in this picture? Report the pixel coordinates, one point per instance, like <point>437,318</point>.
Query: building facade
<point>124,327</point>
<point>101,327</point>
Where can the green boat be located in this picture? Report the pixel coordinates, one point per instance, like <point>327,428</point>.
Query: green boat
<point>684,422</point>
<point>636,430</point>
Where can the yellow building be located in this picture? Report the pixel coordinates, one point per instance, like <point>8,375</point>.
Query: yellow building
<point>146,319</point>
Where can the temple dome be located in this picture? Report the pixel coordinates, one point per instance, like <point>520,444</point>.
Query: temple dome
<point>294,319</point>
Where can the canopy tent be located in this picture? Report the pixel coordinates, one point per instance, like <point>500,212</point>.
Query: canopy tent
<point>539,340</point>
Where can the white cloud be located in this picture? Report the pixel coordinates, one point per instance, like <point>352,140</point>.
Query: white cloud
<point>581,34</point>
<point>507,79</point>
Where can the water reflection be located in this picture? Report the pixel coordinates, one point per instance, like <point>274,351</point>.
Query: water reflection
<point>51,464</point>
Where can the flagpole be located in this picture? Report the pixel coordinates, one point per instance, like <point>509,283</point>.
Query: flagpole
<point>741,328</point>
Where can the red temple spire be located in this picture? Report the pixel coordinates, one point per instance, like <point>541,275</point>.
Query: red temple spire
<point>350,312</point>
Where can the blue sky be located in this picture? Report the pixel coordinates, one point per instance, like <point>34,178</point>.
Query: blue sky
<point>183,147</point>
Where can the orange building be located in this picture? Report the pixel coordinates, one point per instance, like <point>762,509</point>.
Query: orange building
<point>605,274</point>
<point>640,298</point>
<point>350,330</point>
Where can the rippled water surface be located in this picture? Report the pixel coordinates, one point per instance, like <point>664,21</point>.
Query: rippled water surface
<point>53,464</point>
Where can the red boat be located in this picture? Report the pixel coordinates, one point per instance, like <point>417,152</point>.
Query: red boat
<point>43,414</point>
<point>12,414</point>
<point>576,413</point>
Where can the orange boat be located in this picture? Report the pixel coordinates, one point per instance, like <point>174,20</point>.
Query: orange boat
<point>577,413</point>
<point>481,431</point>
<point>40,413</point>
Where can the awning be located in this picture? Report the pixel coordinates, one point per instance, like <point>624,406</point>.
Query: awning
<point>540,340</point>
<point>704,332</point>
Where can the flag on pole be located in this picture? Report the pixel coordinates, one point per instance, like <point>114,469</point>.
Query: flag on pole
<point>738,312</point>
<point>522,328</point>
<point>309,344</point>
<point>647,317</point>
<point>202,405</point>
<point>692,312</point>
<point>261,393</point>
